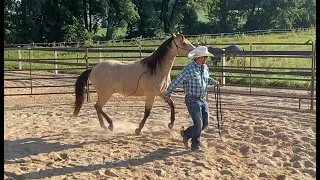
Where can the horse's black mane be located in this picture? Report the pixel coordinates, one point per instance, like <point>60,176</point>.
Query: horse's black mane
<point>158,56</point>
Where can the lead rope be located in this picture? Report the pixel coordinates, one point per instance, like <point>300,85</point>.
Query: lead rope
<point>217,98</point>
<point>220,106</point>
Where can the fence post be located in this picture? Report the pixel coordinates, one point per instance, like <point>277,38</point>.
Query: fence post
<point>77,57</point>
<point>140,42</point>
<point>30,73</point>
<point>20,57</point>
<point>87,67</point>
<point>312,74</point>
<point>55,61</point>
<point>223,63</point>
<point>244,61</point>
<point>250,66</point>
<point>100,55</point>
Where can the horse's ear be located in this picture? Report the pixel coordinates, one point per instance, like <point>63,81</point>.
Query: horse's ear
<point>173,35</point>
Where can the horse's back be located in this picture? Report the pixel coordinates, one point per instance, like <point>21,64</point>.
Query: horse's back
<point>234,48</point>
<point>114,67</point>
<point>216,52</point>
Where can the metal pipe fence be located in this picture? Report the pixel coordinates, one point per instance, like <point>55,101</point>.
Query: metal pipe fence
<point>66,65</point>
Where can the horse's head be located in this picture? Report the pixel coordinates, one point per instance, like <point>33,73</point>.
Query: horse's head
<point>177,45</point>
<point>181,44</point>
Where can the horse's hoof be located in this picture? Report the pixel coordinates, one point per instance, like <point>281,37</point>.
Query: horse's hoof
<point>110,127</point>
<point>137,131</point>
<point>170,126</point>
<point>104,127</point>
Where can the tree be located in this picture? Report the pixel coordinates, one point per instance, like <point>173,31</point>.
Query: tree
<point>148,23</point>
<point>94,11</point>
<point>73,20</point>
<point>171,13</point>
<point>10,19</point>
<point>119,14</point>
<point>29,20</point>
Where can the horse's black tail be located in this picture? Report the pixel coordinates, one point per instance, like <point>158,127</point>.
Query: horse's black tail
<point>79,89</point>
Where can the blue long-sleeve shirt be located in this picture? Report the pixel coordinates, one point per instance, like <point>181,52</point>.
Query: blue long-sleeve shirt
<point>195,79</point>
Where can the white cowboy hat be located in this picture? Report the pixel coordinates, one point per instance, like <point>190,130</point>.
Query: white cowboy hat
<point>199,51</point>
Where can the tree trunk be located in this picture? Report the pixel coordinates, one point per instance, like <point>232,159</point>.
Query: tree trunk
<point>250,17</point>
<point>164,15</point>
<point>129,30</point>
<point>24,16</point>
<point>110,31</point>
<point>171,21</point>
<point>90,15</point>
<point>85,14</point>
<point>223,15</point>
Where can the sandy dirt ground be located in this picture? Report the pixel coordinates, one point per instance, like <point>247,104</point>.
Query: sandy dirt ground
<point>262,138</point>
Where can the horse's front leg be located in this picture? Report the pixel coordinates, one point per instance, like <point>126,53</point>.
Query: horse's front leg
<point>147,110</point>
<point>172,118</point>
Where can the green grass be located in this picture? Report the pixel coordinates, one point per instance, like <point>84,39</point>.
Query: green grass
<point>102,32</point>
<point>298,37</point>
<point>118,34</point>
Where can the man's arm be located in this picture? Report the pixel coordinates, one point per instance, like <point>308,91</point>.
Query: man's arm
<point>178,80</point>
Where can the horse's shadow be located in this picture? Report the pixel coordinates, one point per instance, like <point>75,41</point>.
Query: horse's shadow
<point>159,154</point>
<point>21,148</point>
<point>33,146</point>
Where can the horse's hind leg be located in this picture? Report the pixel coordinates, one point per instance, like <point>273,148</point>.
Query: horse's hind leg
<point>148,107</point>
<point>102,100</point>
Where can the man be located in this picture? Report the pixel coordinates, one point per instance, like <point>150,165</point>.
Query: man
<point>195,78</point>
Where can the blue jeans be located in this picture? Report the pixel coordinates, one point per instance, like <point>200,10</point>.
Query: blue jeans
<point>199,112</point>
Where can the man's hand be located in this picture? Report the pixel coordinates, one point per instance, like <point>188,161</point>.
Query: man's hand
<point>212,87</point>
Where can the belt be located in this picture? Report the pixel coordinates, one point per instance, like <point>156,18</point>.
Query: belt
<point>195,97</point>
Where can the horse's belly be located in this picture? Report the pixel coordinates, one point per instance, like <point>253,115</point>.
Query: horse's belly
<point>128,88</point>
<point>128,82</point>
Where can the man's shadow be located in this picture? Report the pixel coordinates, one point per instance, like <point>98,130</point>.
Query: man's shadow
<point>32,146</point>
<point>159,154</point>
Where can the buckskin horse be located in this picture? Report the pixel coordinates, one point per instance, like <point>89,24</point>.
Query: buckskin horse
<point>147,77</point>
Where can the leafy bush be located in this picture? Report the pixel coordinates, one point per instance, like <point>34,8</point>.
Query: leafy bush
<point>75,33</point>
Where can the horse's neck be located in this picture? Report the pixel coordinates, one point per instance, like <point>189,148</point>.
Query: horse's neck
<point>167,65</point>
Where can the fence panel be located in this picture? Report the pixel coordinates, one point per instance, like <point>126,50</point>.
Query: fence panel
<point>68,65</point>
